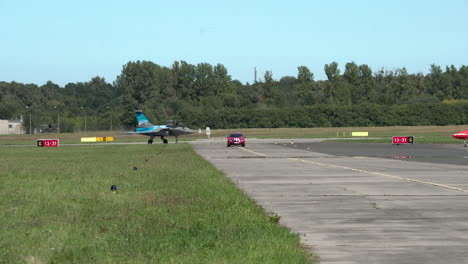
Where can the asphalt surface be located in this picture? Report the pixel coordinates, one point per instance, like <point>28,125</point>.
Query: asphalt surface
<point>358,203</point>
<point>430,153</point>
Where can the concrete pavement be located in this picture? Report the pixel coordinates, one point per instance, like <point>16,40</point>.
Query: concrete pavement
<point>355,209</point>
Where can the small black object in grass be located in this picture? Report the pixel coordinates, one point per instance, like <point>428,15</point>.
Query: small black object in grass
<point>113,188</point>
<point>135,168</point>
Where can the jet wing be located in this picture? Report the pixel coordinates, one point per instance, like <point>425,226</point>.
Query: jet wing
<point>153,131</point>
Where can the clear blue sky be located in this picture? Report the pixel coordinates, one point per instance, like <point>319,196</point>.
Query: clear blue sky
<point>73,41</point>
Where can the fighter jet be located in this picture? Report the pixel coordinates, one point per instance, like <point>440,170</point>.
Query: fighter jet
<point>172,128</point>
<point>462,135</point>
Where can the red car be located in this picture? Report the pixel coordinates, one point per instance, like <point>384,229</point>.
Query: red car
<point>236,139</point>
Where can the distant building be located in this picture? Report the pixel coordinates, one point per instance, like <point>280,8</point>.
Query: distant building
<point>11,127</point>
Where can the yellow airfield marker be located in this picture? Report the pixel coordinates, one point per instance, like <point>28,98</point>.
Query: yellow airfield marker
<point>360,134</point>
<point>96,139</point>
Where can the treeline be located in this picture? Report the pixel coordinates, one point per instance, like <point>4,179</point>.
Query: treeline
<point>340,116</point>
<point>205,95</point>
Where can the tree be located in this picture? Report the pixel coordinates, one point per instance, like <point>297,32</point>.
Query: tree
<point>304,89</point>
<point>139,85</point>
<point>351,73</point>
<point>405,89</point>
<point>204,81</point>
<point>462,83</point>
<point>439,83</point>
<point>266,89</point>
<point>336,91</point>
<point>139,80</point>
<point>221,82</point>
<point>185,79</point>
<point>351,76</point>
<point>367,92</point>
<point>304,75</point>
<point>332,71</point>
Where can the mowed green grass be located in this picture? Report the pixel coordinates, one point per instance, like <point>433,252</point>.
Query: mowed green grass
<point>56,206</point>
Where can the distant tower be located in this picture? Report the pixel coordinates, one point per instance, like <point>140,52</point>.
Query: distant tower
<point>255,74</point>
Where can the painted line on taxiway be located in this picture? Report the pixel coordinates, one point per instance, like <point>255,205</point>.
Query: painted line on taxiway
<point>367,172</point>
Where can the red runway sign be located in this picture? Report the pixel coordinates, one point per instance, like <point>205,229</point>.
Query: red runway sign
<point>402,140</point>
<point>47,142</point>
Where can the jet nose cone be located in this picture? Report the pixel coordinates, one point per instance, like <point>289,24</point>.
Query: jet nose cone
<point>461,135</point>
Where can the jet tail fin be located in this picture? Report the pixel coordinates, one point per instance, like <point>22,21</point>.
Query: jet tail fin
<point>142,119</point>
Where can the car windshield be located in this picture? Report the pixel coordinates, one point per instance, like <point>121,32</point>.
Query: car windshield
<point>235,135</point>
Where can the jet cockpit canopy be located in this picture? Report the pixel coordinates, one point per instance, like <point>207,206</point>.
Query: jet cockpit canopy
<point>175,123</point>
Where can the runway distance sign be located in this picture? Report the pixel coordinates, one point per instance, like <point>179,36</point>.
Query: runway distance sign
<point>47,142</point>
<point>402,140</point>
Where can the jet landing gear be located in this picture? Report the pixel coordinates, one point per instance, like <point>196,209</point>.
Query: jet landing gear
<point>150,141</point>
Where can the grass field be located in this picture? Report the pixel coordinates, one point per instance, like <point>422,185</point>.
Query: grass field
<point>423,134</point>
<point>171,206</point>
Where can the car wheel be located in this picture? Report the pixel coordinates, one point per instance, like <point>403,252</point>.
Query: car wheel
<point>243,145</point>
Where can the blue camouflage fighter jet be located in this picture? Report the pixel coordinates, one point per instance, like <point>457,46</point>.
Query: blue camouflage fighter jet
<point>172,128</point>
